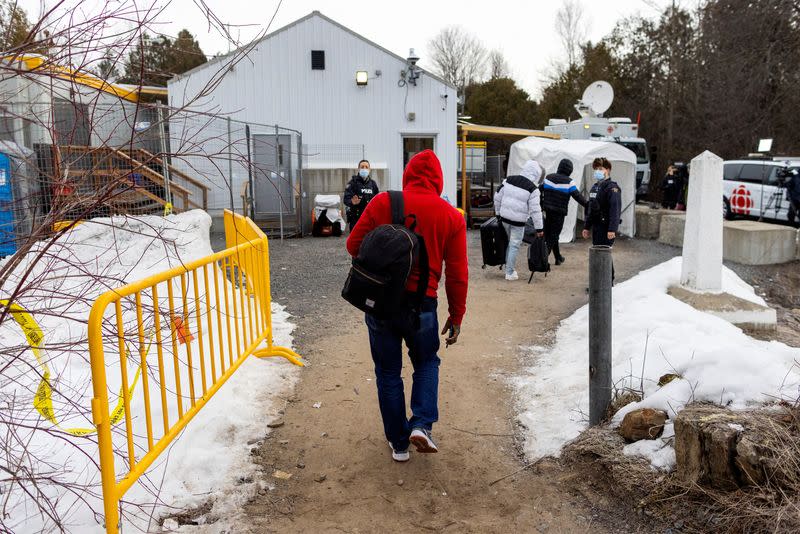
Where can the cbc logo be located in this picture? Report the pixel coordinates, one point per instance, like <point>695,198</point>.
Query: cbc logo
<point>741,201</point>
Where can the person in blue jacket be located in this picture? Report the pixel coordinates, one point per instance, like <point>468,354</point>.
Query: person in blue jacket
<point>557,189</point>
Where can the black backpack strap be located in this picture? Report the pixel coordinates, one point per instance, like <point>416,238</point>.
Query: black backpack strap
<point>424,273</point>
<point>399,217</point>
<point>398,210</point>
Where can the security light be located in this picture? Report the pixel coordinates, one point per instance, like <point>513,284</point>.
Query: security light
<point>412,72</point>
<point>764,145</point>
<point>361,77</point>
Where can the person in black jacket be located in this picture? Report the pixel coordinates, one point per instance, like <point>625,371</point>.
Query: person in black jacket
<point>793,187</point>
<point>557,189</point>
<point>671,186</point>
<point>602,215</point>
<point>359,192</point>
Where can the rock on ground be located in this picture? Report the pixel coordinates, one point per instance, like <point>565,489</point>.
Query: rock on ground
<point>644,423</point>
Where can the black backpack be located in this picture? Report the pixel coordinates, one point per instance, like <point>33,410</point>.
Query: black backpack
<point>377,280</point>
<point>538,257</point>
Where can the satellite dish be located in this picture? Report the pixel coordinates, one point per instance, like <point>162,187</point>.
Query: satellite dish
<point>598,97</point>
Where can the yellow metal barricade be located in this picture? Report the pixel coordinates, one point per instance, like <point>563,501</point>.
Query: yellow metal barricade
<point>185,331</point>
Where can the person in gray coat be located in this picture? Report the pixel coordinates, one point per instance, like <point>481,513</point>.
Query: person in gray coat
<point>516,201</point>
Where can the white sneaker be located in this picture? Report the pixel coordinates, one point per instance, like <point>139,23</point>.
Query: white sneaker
<point>399,456</point>
<point>422,440</point>
<point>512,276</point>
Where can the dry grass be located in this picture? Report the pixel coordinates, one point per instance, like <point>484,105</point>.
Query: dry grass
<point>769,500</point>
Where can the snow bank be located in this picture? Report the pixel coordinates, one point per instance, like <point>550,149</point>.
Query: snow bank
<point>211,459</point>
<point>718,363</point>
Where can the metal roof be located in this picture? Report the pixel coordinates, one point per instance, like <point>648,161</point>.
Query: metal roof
<point>130,93</point>
<point>295,23</point>
<point>504,131</point>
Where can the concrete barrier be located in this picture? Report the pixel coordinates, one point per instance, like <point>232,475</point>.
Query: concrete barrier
<point>648,221</point>
<point>671,229</point>
<point>757,243</point>
<point>743,241</point>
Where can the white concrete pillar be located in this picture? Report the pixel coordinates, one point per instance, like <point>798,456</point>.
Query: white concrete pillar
<point>702,235</point>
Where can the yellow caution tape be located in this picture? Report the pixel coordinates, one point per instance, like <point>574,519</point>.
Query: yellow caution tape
<point>43,401</point>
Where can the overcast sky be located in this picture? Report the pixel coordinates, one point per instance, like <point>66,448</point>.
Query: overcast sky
<point>522,29</point>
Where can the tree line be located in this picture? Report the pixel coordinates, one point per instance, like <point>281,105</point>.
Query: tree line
<point>153,60</point>
<point>716,77</point>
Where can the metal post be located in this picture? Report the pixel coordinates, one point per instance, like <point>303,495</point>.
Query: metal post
<point>251,191</point>
<point>278,174</point>
<point>599,333</point>
<point>230,163</point>
<point>302,211</point>
<point>164,164</point>
<point>464,205</point>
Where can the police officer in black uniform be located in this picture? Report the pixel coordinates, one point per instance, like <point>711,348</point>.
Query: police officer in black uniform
<point>671,188</point>
<point>359,192</point>
<point>602,215</point>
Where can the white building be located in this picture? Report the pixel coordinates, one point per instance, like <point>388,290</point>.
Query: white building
<point>43,103</point>
<point>304,77</point>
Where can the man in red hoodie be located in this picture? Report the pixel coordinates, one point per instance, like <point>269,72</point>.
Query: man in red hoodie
<point>444,231</point>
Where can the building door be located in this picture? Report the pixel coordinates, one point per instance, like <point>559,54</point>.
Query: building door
<point>413,145</point>
<point>272,174</point>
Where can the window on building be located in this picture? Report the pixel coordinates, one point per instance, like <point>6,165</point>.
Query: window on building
<point>318,60</point>
<point>6,128</point>
<point>71,122</point>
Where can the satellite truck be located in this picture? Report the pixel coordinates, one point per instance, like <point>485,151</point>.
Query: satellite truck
<point>596,100</point>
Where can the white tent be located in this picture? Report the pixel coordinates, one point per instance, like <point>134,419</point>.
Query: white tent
<point>548,152</point>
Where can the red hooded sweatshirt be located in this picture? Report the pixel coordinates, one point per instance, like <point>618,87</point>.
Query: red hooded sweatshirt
<point>439,223</point>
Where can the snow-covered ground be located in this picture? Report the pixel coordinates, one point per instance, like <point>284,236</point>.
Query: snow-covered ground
<point>209,462</point>
<point>717,361</point>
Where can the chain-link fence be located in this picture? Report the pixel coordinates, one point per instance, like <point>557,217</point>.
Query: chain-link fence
<point>145,158</point>
<point>250,168</point>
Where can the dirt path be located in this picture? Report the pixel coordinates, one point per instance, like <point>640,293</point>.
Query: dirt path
<point>343,478</point>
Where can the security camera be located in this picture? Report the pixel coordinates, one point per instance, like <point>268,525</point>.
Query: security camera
<point>412,57</point>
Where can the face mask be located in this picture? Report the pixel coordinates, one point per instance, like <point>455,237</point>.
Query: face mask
<point>363,173</point>
<point>599,175</point>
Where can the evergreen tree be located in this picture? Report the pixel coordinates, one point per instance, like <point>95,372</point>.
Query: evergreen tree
<point>185,53</point>
<point>14,26</point>
<point>157,59</point>
<point>500,102</point>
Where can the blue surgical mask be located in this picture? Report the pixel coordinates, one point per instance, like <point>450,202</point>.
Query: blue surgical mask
<point>363,173</point>
<point>599,175</point>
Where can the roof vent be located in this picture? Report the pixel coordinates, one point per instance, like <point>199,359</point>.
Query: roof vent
<point>318,60</point>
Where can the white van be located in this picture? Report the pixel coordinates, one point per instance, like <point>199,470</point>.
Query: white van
<point>754,188</point>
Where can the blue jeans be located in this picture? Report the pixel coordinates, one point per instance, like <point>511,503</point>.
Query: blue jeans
<point>386,338</point>
<point>515,235</point>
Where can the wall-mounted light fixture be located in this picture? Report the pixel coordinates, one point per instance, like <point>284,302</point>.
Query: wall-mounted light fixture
<point>362,77</point>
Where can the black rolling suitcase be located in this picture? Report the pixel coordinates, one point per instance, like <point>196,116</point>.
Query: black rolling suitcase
<point>494,242</point>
